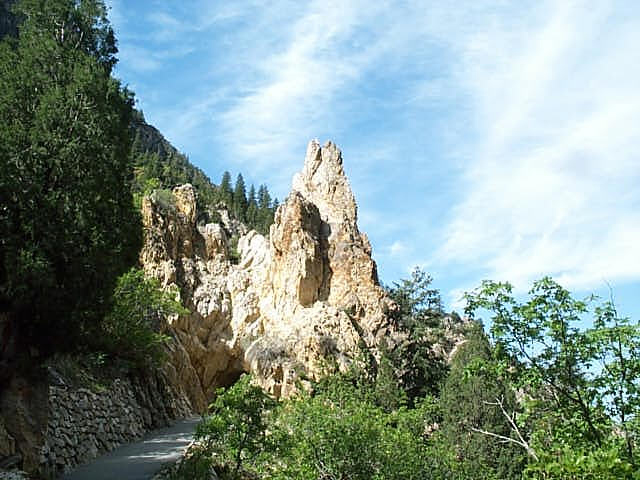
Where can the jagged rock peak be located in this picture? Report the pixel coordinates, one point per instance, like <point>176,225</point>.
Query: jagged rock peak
<point>323,182</point>
<point>302,299</point>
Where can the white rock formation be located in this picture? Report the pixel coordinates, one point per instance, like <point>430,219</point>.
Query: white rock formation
<point>299,301</point>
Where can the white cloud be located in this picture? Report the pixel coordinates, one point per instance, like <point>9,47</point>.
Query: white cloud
<point>297,82</point>
<point>553,186</point>
<point>397,248</point>
<point>140,59</point>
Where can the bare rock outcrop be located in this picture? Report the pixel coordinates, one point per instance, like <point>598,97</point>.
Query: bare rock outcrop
<point>300,301</point>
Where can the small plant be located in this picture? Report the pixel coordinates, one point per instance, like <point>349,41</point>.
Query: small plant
<point>164,198</point>
<point>133,328</point>
<point>234,255</point>
<point>197,464</point>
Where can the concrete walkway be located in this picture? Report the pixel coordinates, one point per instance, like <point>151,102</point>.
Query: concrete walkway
<point>139,460</point>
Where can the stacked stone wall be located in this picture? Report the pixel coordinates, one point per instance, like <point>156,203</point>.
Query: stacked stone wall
<point>83,423</point>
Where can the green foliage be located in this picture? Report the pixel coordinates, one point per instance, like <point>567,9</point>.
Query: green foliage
<point>234,255</point>
<point>240,199</point>
<point>506,410</point>
<point>266,210</point>
<point>256,211</point>
<point>615,347</point>
<point>568,463</point>
<point>336,432</point>
<point>196,465</point>
<point>252,207</point>
<point>156,160</point>
<point>579,386</point>
<point>468,405</point>
<point>226,193</point>
<point>164,198</point>
<point>339,435</point>
<point>132,329</point>
<point>234,432</point>
<point>420,314</point>
<point>68,228</point>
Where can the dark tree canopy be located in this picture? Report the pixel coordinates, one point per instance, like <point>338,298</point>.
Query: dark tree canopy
<point>465,401</point>
<point>67,224</point>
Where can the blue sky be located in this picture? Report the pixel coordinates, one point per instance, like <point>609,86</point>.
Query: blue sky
<point>483,139</point>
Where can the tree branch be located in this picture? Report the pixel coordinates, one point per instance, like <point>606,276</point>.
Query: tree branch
<point>510,418</point>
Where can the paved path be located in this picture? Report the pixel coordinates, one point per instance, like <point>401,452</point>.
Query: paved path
<point>139,460</point>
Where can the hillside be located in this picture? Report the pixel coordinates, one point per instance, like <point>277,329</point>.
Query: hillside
<point>155,157</point>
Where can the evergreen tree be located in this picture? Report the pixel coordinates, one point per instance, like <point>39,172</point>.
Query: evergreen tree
<point>420,314</point>
<point>226,194</point>
<point>68,228</point>
<point>466,396</point>
<point>265,214</point>
<point>240,199</point>
<point>252,208</point>
<point>264,199</point>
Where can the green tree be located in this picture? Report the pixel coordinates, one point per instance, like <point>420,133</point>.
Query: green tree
<point>132,330</point>
<point>468,403</point>
<point>420,314</point>
<point>155,158</point>
<point>265,212</point>
<point>336,434</point>
<point>252,208</point>
<point>615,344</point>
<point>68,227</point>
<point>240,199</point>
<point>575,411</point>
<point>234,432</point>
<point>226,193</point>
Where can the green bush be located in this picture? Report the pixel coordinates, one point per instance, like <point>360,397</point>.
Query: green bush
<point>606,463</point>
<point>234,435</point>
<point>133,328</point>
<point>164,198</point>
<point>337,433</point>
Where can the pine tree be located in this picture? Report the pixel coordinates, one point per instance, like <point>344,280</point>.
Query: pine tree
<point>226,194</point>
<point>240,199</point>
<point>264,199</point>
<point>265,215</point>
<point>252,208</point>
<point>464,408</point>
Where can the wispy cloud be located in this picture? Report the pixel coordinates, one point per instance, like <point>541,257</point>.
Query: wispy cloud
<point>297,82</point>
<point>551,188</point>
<point>488,139</point>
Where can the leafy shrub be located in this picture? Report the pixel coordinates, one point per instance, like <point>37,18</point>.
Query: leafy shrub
<point>133,328</point>
<point>164,198</point>
<point>234,254</point>
<point>606,463</point>
<point>234,433</point>
<point>337,434</point>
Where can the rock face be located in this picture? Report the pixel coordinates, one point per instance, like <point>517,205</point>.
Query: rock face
<point>299,301</point>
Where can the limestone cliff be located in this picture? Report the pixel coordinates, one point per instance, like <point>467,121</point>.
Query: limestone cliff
<point>300,301</point>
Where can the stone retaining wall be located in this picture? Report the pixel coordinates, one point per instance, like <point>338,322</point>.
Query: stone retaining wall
<point>79,424</point>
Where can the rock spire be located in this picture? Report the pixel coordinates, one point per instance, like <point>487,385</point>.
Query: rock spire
<point>297,301</point>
